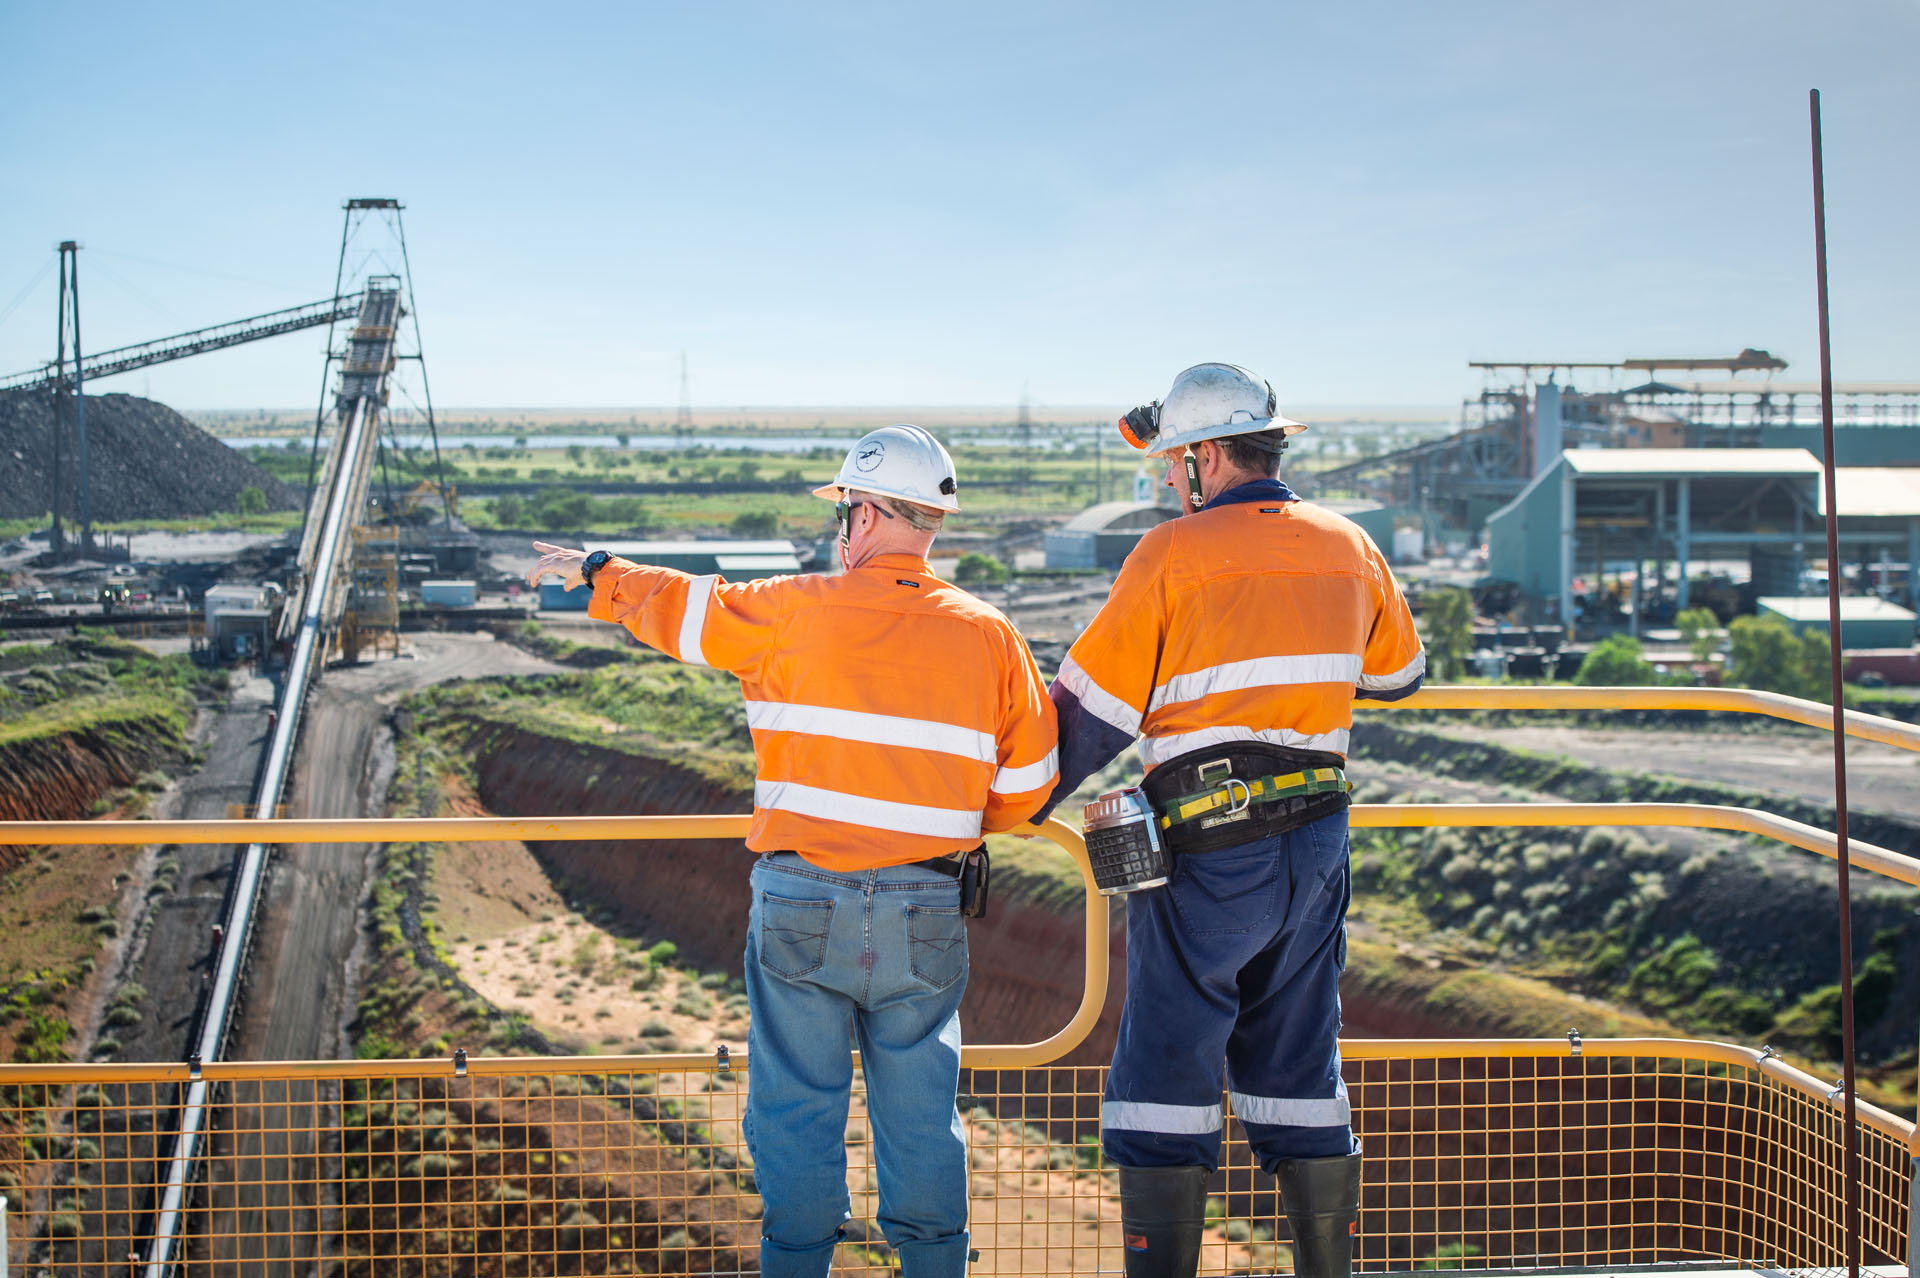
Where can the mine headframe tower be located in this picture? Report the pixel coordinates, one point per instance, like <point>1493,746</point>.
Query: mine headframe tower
<point>357,382</point>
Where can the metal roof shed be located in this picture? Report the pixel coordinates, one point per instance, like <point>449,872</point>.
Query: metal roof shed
<point>1596,505</point>
<point>1865,622</point>
<point>1880,522</point>
<point>1103,535</point>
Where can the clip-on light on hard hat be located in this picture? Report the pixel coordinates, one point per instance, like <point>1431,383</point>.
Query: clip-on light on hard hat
<point>1141,426</point>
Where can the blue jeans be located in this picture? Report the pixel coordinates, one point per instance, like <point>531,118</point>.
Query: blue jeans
<point>879,956</point>
<point>1236,961</point>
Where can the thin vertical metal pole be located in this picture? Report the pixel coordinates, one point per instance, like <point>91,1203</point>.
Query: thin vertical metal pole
<point>1850,1145</point>
<point>80,411</point>
<point>59,408</point>
<point>420,355</point>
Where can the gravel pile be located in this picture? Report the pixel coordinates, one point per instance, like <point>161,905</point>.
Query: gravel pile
<point>147,462</point>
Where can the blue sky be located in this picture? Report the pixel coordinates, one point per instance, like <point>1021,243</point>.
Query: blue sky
<point>887,204</point>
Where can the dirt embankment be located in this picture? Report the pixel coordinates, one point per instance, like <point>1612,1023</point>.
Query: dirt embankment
<point>60,776</point>
<point>1027,966</point>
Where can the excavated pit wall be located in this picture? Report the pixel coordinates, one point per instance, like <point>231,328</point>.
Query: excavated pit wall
<point>1027,965</point>
<point>59,776</point>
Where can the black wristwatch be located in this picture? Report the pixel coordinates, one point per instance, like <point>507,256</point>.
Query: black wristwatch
<point>591,564</point>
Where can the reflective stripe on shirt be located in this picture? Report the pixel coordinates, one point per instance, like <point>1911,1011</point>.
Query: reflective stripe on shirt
<point>694,620</point>
<point>858,809</point>
<point>1030,777</point>
<point>1155,751</point>
<point>875,729</point>
<point>1095,700</point>
<point>1404,675</point>
<point>1259,672</point>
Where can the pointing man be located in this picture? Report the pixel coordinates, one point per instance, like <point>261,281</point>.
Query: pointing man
<point>895,720</point>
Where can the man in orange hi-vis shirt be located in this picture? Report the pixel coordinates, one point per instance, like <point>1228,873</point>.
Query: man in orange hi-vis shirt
<point>1233,645</point>
<point>895,720</point>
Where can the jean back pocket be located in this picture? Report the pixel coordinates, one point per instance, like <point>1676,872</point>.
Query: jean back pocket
<point>936,944</point>
<point>793,934</point>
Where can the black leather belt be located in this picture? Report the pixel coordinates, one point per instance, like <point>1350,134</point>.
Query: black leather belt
<point>947,865</point>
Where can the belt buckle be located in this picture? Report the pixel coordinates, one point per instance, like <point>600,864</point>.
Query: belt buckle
<point>1214,771</point>
<point>1219,772</point>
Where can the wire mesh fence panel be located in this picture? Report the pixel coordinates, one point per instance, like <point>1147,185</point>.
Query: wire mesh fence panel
<point>1500,1161</point>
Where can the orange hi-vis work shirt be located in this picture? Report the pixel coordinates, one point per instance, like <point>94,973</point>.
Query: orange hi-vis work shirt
<point>1258,618</point>
<point>894,717</point>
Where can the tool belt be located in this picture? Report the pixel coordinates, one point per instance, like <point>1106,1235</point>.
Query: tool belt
<point>1224,796</point>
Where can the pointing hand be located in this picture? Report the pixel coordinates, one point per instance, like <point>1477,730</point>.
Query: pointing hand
<point>561,562</point>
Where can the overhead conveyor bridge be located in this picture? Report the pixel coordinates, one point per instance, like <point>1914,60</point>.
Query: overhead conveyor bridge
<point>162,350</point>
<point>347,470</point>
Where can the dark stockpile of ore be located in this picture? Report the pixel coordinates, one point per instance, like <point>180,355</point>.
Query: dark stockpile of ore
<point>146,462</point>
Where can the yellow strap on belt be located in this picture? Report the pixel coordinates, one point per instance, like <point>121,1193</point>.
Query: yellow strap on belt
<point>1315,781</point>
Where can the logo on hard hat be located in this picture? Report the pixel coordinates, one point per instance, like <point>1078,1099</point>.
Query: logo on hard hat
<point>869,455</point>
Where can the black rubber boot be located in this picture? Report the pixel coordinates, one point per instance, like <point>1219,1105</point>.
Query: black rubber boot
<point>1322,1200</point>
<point>1162,1211</point>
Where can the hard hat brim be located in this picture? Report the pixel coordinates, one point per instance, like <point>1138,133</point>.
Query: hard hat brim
<point>1173,442</point>
<point>834,492</point>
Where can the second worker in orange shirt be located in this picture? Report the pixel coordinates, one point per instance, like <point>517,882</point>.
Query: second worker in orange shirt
<point>1233,646</point>
<point>896,719</point>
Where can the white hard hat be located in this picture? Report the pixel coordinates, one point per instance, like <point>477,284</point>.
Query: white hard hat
<point>1213,401</point>
<point>897,461</point>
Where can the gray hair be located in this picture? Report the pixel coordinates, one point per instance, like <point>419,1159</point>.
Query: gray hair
<point>919,518</point>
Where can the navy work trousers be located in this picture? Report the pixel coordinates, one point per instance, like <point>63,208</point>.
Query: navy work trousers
<point>1236,961</point>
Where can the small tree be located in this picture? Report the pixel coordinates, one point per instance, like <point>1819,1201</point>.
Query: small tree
<point>1615,662</point>
<point>1447,617</point>
<point>1697,629</point>
<point>976,569</point>
<point>1765,654</point>
<point>252,501</point>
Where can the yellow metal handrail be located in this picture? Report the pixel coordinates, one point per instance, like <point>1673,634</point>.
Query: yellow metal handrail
<point>1812,714</point>
<point>1699,816</point>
